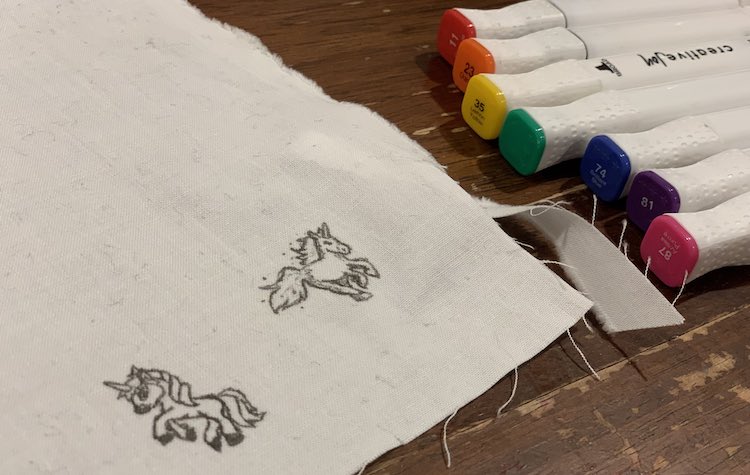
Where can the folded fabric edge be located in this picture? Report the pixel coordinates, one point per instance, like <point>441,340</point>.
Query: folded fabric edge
<point>576,241</point>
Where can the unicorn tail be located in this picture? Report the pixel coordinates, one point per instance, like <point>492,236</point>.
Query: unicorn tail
<point>288,290</point>
<point>239,409</point>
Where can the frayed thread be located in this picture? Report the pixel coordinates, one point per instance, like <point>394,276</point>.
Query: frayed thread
<point>512,392</point>
<point>587,324</point>
<point>446,450</point>
<point>682,289</point>
<point>593,213</point>
<point>523,244</point>
<point>583,357</point>
<point>622,233</point>
<point>546,207</point>
<point>562,264</point>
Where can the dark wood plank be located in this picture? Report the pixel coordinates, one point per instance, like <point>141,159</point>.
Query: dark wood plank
<point>685,410</point>
<point>640,419</point>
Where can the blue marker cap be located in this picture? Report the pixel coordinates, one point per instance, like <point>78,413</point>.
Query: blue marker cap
<point>605,168</point>
<point>650,197</point>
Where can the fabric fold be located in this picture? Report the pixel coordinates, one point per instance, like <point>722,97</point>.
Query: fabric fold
<point>623,297</point>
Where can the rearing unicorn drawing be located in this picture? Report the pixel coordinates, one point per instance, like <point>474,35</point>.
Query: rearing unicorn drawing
<point>325,265</point>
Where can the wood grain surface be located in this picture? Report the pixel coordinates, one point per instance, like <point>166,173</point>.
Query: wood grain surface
<point>671,400</point>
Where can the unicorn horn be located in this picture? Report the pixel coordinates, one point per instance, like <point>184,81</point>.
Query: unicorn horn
<point>123,388</point>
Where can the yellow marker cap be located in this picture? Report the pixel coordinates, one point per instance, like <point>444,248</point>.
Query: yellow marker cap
<point>484,107</point>
<point>471,59</point>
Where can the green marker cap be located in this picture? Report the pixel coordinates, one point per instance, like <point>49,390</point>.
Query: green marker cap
<point>522,142</point>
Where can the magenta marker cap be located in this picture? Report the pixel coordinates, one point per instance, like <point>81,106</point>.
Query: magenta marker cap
<point>672,250</point>
<point>680,247</point>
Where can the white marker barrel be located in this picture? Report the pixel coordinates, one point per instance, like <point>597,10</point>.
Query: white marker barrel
<point>595,12</point>
<point>489,97</point>
<point>695,187</point>
<point>611,161</point>
<point>534,138</point>
<point>538,49</point>
<point>527,17</point>
<point>530,16</point>
<point>684,246</point>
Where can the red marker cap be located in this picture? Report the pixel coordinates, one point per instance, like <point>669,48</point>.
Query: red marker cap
<point>454,28</point>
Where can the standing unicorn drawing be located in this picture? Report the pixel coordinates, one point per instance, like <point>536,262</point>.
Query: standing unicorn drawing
<point>179,414</point>
<point>325,265</point>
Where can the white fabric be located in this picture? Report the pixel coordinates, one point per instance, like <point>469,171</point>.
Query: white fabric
<point>624,298</point>
<point>157,170</point>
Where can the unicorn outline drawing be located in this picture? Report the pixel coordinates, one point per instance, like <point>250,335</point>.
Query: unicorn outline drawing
<point>325,265</point>
<point>220,416</point>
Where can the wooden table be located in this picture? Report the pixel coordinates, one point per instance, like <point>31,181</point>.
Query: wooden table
<point>672,400</point>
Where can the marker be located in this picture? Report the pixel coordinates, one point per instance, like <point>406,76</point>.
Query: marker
<point>611,161</point>
<point>536,15</point>
<point>684,246</point>
<point>696,187</point>
<point>534,138</point>
<point>520,55</point>
<point>489,97</point>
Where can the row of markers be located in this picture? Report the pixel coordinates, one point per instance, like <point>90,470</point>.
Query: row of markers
<point>656,104</point>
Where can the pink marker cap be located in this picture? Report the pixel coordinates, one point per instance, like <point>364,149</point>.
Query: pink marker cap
<point>672,250</point>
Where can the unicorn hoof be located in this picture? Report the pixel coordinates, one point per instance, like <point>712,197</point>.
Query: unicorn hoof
<point>361,296</point>
<point>190,435</point>
<point>215,443</point>
<point>234,439</point>
<point>166,438</point>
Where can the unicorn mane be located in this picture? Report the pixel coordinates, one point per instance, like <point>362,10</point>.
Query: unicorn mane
<point>309,249</point>
<point>178,390</point>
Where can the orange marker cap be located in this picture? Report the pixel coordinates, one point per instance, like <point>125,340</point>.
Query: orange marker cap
<point>471,59</point>
<point>454,28</point>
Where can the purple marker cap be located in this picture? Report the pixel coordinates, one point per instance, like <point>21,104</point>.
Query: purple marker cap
<point>651,196</point>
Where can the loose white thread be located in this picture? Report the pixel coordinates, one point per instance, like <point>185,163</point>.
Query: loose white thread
<point>362,470</point>
<point>554,204</point>
<point>622,234</point>
<point>445,439</point>
<point>593,372</point>
<point>586,322</point>
<point>523,244</point>
<point>593,214</point>
<point>625,248</point>
<point>544,209</point>
<point>682,288</point>
<point>648,264</point>
<point>558,263</point>
<point>512,392</point>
